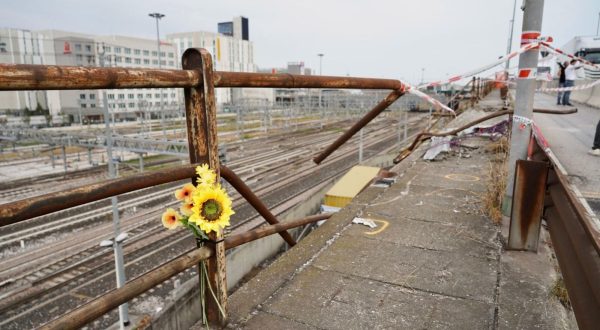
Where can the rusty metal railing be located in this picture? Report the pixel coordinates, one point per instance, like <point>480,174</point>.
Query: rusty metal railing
<point>199,81</point>
<point>544,192</point>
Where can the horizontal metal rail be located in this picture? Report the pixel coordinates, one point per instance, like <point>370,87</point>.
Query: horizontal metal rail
<point>49,77</point>
<point>575,234</point>
<point>56,201</point>
<point>87,313</point>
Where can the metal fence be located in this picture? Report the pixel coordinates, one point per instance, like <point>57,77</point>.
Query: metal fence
<point>199,82</point>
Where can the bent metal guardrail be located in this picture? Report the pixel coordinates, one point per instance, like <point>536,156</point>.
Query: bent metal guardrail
<point>542,190</point>
<point>199,81</point>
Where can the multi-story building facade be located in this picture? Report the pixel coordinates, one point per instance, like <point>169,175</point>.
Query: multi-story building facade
<point>231,50</point>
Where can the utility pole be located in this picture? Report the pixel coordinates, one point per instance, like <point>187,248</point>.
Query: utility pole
<point>320,74</point>
<point>158,16</point>
<point>526,83</point>
<point>119,264</point>
<point>598,25</point>
<point>510,34</point>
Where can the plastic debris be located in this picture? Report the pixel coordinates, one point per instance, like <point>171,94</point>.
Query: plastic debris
<point>362,221</point>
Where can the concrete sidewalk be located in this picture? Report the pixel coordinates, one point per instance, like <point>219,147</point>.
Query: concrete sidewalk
<point>433,262</point>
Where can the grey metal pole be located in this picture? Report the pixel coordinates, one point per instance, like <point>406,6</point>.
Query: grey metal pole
<point>119,265</point>
<point>360,147</point>
<point>526,83</point>
<point>64,158</point>
<point>510,34</point>
<point>598,25</point>
<point>320,95</point>
<point>158,16</point>
<point>89,155</point>
<point>405,125</point>
<point>141,157</point>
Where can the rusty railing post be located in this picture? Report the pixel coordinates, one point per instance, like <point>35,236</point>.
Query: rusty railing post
<point>201,120</point>
<point>528,205</point>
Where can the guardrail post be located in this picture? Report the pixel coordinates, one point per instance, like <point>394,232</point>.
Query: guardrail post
<point>528,204</point>
<point>201,121</point>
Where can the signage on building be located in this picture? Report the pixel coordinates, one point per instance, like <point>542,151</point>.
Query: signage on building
<point>67,48</point>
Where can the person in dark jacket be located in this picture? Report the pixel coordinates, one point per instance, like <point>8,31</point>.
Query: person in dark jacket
<point>561,80</point>
<point>596,147</point>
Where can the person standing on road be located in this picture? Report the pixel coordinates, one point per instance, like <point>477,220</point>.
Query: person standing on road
<point>561,80</point>
<point>596,147</point>
<point>570,77</point>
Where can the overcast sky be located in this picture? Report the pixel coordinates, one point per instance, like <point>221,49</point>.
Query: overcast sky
<point>372,38</point>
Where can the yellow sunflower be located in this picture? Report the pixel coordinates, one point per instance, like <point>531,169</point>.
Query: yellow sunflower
<point>206,175</point>
<point>212,208</point>
<point>170,218</point>
<point>185,193</point>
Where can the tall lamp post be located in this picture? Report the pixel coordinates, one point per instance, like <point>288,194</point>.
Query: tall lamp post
<point>118,250</point>
<point>510,34</point>
<point>320,74</point>
<point>158,16</point>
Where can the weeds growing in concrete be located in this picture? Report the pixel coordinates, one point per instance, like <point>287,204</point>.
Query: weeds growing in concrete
<point>560,291</point>
<point>496,184</point>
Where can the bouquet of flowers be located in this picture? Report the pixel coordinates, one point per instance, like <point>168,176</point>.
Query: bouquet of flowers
<point>205,207</point>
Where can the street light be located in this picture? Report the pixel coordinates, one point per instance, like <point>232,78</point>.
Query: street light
<point>158,16</point>
<point>510,35</point>
<point>320,63</point>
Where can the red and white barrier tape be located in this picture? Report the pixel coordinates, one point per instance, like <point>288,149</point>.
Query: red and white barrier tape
<point>501,60</point>
<point>439,105</point>
<point>563,53</point>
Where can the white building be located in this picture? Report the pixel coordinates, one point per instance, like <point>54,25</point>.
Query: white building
<point>231,50</point>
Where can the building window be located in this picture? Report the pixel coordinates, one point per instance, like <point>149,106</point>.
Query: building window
<point>83,105</point>
<point>121,96</point>
<point>189,44</point>
<point>93,105</point>
<point>149,95</point>
<point>112,105</point>
<point>172,94</point>
<point>157,95</point>
<point>131,105</point>
<point>111,96</point>
<point>127,59</point>
<point>146,52</point>
<point>165,95</point>
<point>154,53</point>
<point>136,52</point>
<point>78,47</point>
<point>90,59</point>
<point>137,61</point>
<point>140,96</point>
<point>79,57</point>
<point>107,48</point>
<point>92,96</point>
<point>130,96</point>
<point>171,63</point>
<point>118,50</point>
<point>162,54</point>
<point>118,59</point>
<point>88,48</point>
<point>127,50</point>
<point>146,61</point>
<point>155,62</point>
<point>121,105</point>
<point>163,62</point>
<point>171,55</point>
<point>82,96</point>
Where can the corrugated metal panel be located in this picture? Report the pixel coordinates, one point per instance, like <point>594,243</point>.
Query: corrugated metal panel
<point>350,185</point>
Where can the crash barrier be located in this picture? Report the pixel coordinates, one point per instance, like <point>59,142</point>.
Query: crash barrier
<point>542,191</point>
<point>199,82</point>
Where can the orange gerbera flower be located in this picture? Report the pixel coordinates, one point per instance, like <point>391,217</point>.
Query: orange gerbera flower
<point>186,207</point>
<point>170,218</point>
<point>185,193</point>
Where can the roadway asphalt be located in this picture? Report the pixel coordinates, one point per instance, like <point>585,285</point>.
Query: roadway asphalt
<point>570,138</point>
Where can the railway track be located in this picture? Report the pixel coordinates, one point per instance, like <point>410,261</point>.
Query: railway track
<point>61,279</point>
